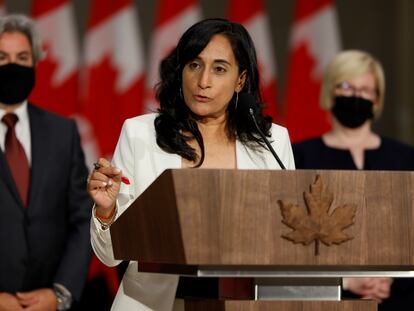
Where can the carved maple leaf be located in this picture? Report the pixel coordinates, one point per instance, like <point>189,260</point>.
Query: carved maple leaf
<point>316,223</point>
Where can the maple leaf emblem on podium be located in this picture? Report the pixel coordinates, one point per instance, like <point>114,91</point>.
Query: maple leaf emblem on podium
<point>316,223</point>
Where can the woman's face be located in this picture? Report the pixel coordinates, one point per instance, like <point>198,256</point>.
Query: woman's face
<point>355,101</point>
<point>364,86</point>
<point>210,80</point>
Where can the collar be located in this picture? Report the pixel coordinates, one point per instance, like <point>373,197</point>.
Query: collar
<point>20,111</point>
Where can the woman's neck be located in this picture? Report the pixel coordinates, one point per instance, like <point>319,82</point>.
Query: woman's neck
<point>346,138</point>
<point>219,148</point>
<point>213,128</point>
<point>355,140</point>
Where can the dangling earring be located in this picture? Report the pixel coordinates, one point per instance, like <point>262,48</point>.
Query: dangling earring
<point>237,100</point>
<point>181,93</point>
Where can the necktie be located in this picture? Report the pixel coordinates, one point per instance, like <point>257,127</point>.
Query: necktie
<point>16,157</point>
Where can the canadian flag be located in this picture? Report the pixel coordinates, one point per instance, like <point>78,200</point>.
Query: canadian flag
<point>251,14</point>
<point>113,73</point>
<point>314,42</point>
<point>172,20</point>
<point>112,84</point>
<point>57,75</point>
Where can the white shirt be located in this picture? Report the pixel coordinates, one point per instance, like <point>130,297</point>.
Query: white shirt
<point>22,129</point>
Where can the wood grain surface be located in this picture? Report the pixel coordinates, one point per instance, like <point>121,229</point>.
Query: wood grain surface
<point>231,217</point>
<point>345,305</point>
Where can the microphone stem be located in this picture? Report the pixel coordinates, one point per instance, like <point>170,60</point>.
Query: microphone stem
<point>266,141</point>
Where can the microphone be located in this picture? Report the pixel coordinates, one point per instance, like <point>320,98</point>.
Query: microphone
<point>248,103</point>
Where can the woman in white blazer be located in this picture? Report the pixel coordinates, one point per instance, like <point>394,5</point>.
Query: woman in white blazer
<point>200,124</point>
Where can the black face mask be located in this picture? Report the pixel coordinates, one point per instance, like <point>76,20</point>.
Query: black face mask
<point>16,83</point>
<point>352,111</point>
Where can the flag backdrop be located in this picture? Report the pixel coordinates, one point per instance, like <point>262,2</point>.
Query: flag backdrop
<point>113,72</point>
<point>113,84</point>
<point>57,73</point>
<point>313,43</point>
<point>171,20</point>
<point>112,88</point>
<point>252,15</point>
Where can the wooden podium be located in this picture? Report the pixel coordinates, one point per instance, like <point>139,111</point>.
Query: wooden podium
<point>229,223</point>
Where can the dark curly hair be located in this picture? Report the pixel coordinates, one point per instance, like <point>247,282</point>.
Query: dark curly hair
<point>175,118</point>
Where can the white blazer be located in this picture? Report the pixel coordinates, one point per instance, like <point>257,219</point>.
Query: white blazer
<point>142,161</point>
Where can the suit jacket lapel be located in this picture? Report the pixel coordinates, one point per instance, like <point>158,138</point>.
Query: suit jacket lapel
<point>40,151</point>
<point>248,158</point>
<point>164,161</point>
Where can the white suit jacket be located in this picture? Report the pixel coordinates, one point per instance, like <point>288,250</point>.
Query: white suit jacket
<point>142,161</point>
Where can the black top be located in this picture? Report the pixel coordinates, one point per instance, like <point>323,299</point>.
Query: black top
<point>390,155</point>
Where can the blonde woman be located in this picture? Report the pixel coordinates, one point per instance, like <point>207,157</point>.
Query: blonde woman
<point>353,91</point>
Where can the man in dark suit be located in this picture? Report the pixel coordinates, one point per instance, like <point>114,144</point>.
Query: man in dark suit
<point>44,207</point>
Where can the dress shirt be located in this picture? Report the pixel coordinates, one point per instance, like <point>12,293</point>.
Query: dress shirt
<point>22,129</point>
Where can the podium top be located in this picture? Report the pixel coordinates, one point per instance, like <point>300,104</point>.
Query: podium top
<point>216,217</point>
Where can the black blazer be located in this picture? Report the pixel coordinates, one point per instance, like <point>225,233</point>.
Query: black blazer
<point>48,241</point>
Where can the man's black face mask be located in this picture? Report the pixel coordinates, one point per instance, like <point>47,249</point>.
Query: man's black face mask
<point>16,83</point>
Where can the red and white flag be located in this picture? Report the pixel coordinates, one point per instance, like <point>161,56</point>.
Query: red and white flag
<point>314,42</point>
<point>252,15</point>
<point>171,21</point>
<point>112,84</point>
<point>113,73</point>
<point>2,8</point>
<point>57,75</point>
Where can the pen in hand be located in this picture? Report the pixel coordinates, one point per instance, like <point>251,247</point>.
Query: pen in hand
<point>124,179</point>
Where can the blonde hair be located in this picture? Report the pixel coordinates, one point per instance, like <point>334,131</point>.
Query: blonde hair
<point>347,65</point>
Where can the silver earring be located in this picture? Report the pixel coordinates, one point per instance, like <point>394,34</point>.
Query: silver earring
<point>237,100</point>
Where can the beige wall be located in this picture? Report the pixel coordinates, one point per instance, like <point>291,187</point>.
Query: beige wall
<point>382,27</point>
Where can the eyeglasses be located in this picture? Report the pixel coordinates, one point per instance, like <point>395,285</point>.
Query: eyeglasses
<point>347,89</point>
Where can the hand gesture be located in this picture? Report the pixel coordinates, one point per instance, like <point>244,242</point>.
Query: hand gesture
<point>103,186</point>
